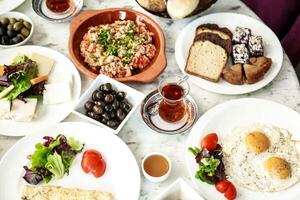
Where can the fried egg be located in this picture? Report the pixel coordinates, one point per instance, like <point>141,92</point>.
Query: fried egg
<point>261,158</point>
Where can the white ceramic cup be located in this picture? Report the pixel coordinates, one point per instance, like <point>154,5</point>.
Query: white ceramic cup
<point>160,178</point>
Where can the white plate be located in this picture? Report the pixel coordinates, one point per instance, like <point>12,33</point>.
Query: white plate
<point>222,118</point>
<point>122,176</point>
<point>8,5</point>
<point>272,48</point>
<point>46,114</point>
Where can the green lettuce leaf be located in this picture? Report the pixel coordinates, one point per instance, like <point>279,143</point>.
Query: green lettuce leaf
<point>19,59</point>
<point>55,165</point>
<point>21,79</point>
<point>75,144</point>
<point>39,156</point>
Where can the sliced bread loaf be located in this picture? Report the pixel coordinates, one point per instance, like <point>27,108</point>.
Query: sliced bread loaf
<point>206,60</point>
<point>222,32</point>
<point>216,39</point>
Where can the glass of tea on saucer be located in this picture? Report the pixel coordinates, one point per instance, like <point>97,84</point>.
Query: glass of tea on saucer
<point>172,108</point>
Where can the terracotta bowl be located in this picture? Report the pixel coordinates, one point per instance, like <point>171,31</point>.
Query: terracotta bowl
<point>79,26</point>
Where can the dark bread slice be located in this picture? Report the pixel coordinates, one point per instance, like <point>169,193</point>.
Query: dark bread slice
<point>233,74</point>
<point>216,39</point>
<point>223,32</point>
<point>257,69</point>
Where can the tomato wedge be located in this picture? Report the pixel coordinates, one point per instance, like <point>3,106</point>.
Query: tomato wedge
<point>210,141</point>
<point>222,185</point>
<point>230,193</point>
<point>92,162</point>
<point>226,187</point>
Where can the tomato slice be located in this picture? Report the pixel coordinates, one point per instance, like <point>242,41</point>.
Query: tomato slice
<point>222,185</point>
<point>210,141</point>
<point>93,162</point>
<point>230,193</point>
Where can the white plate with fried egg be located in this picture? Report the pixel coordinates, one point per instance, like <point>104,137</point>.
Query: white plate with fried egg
<point>260,147</point>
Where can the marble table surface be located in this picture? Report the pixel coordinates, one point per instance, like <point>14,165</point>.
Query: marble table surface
<point>140,139</point>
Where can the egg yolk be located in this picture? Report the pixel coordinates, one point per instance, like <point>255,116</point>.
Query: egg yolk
<point>257,142</point>
<point>278,168</point>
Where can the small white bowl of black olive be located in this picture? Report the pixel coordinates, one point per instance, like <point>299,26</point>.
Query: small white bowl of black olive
<point>108,103</point>
<point>15,29</point>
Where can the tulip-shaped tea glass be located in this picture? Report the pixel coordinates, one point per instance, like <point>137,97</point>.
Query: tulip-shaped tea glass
<point>173,90</point>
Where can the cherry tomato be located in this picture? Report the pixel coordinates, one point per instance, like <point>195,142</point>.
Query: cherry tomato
<point>230,193</point>
<point>210,141</point>
<point>93,162</point>
<point>222,185</point>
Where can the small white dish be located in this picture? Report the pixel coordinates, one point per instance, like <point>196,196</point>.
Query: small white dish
<point>133,96</point>
<point>155,179</point>
<point>178,190</point>
<point>18,15</point>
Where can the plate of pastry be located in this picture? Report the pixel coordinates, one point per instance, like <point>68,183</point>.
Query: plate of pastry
<point>229,53</point>
<point>38,86</point>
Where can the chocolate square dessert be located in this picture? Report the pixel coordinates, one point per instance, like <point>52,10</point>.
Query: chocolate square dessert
<point>241,35</point>
<point>256,45</point>
<point>240,54</point>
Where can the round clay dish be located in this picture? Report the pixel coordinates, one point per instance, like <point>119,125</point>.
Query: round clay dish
<point>80,24</point>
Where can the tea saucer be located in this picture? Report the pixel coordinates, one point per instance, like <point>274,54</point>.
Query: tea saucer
<point>40,8</point>
<point>156,123</point>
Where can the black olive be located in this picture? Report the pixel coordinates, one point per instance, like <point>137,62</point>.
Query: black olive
<point>106,116</point>
<point>5,40</point>
<point>112,123</point>
<point>93,115</point>
<point>100,103</point>
<point>108,108</point>
<point>89,105</point>
<point>113,114</point>
<point>109,98</point>
<point>107,88</point>
<point>98,109</point>
<point>17,40</point>
<point>2,30</point>
<point>94,95</point>
<point>115,105</point>
<point>120,96</point>
<point>99,95</point>
<point>113,92</point>
<point>11,33</point>
<point>126,107</point>
<point>103,121</point>
<point>120,114</point>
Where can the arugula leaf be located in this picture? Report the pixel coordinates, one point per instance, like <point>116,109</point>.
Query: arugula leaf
<point>2,88</point>
<point>55,165</point>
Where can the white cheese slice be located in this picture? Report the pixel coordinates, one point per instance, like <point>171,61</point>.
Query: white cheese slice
<point>57,93</point>
<point>23,112</point>
<point>59,77</point>
<point>4,109</point>
<point>45,64</point>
